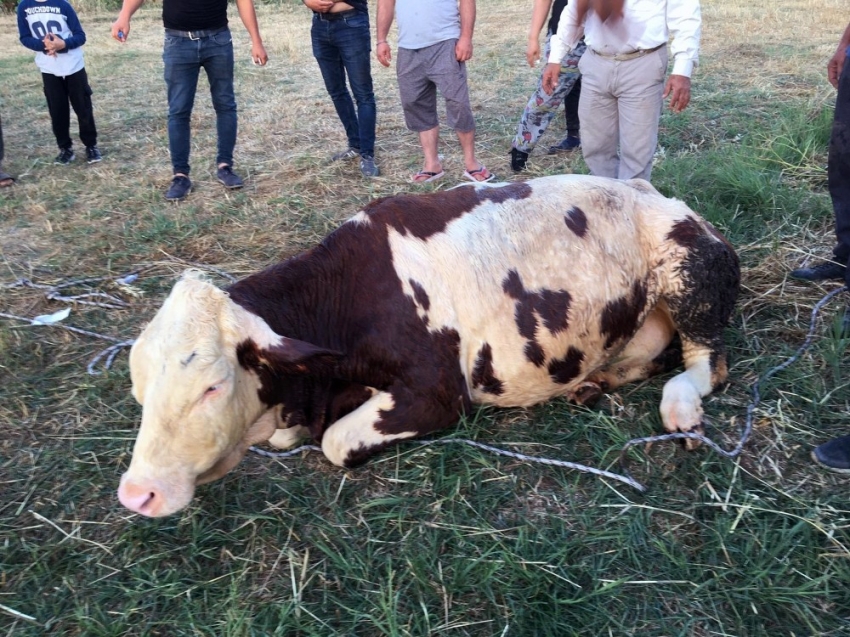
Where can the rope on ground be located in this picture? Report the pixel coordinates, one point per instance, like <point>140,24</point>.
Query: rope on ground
<point>624,477</point>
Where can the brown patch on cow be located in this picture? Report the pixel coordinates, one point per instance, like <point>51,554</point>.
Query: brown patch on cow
<point>620,318</point>
<point>576,221</point>
<point>482,374</point>
<point>686,232</point>
<point>420,295</point>
<point>563,370</point>
<point>426,215</point>
<point>552,306</point>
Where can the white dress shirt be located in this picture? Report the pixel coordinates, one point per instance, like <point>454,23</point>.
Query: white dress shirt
<point>646,24</point>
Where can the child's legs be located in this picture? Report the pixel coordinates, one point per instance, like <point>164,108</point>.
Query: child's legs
<point>56,93</point>
<point>80,93</point>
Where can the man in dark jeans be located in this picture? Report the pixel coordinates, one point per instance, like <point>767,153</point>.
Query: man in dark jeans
<point>6,179</point>
<point>197,36</point>
<point>835,454</point>
<point>342,45</point>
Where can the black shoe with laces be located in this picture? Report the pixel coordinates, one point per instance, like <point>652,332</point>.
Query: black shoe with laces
<point>566,145</point>
<point>518,160</point>
<point>93,154</point>
<point>834,454</point>
<point>821,272</point>
<point>65,157</point>
<point>230,179</point>
<point>180,187</point>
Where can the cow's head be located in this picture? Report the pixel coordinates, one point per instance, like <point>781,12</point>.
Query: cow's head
<point>201,406</point>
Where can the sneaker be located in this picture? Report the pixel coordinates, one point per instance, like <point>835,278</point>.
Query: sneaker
<point>518,160</point>
<point>230,179</point>
<point>348,153</point>
<point>368,168</point>
<point>834,454</point>
<point>65,157</point>
<point>566,145</point>
<point>93,154</point>
<point>180,187</point>
<point>821,272</point>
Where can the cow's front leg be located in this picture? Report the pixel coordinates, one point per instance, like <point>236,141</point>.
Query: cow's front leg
<point>388,416</point>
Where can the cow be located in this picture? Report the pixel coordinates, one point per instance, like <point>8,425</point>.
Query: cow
<point>420,306</point>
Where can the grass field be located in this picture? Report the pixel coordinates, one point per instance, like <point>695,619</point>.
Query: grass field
<point>441,540</point>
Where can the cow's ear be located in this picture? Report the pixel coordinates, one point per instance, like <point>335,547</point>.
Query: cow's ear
<point>292,356</point>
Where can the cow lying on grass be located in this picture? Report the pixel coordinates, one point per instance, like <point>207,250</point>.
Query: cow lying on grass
<point>419,306</point>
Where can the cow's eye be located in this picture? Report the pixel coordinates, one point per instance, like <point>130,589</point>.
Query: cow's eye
<point>212,389</point>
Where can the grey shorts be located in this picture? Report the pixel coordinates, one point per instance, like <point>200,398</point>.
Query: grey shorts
<point>421,73</point>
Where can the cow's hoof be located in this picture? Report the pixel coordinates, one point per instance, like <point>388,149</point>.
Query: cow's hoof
<point>289,437</point>
<point>587,394</point>
<point>689,444</point>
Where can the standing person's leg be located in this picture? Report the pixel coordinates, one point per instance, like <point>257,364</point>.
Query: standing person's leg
<point>354,43</point>
<point>640,89</point>
<point>217,60</point>
<point>56,93</point>
<point>838,170</point>
<point>419,103</point>
<point>449,76</point>
<point>80,94</point>
<point>542,106</point>
<point>599,115</point>
<point>182,67</point>
<point>572,140</point>
<point>324,34</point>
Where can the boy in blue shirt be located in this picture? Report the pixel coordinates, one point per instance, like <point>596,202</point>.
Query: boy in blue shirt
<point>51,28</point>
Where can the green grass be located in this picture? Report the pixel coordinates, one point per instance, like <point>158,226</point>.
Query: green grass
<point>435,540</point>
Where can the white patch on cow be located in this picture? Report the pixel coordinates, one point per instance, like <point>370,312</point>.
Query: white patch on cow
<point>463,269</point>
<point>289,437</point>
<point>357,431</point>
<point>681,402</point>
<point>361,218</point>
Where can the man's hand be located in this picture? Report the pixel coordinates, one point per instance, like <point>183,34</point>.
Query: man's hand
<point>258,54</point>
<point>678,87</point>
<point>463,49</point>
<point>319,6</point>
<point>383,53</point>
<point>835,65</point>
<point>550,77</point>
<point>121,29</point>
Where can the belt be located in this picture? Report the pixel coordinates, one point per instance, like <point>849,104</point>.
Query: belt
<point>339,15</point>
<point>194,35</point>
<point>623,57</point>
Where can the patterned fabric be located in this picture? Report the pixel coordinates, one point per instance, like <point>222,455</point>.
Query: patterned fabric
<point>541,107</point>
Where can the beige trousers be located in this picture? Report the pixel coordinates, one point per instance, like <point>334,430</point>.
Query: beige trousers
<point>620,106</point>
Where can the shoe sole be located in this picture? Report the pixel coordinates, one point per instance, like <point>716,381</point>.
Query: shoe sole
<point>231,187</point>
<point>94,161</point>
<point>828,467</point>
<point>167,198</point>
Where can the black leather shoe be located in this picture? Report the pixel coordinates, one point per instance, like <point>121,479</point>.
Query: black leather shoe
<point>834,454</point>
<point>518,160</point>
<point>821,272</point>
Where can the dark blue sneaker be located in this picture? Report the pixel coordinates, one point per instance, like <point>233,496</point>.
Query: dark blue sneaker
<point>834,454</point>
<point>65,157</point>
<point>180,187</point>
<point>368,168</point>
<point>228,178</point>
<point>566,145</point>
<point>93,154</point>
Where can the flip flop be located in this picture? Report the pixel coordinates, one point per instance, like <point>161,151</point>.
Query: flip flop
<point>480,175</point>
<point>426,176</point>
<point>6,179</point>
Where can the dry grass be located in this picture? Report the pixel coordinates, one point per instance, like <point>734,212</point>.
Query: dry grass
<point>421,541</point>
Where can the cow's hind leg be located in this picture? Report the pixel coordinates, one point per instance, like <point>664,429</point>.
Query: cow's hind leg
<point>701,310</point>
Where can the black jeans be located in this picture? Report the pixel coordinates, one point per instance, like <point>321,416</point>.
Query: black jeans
<point>75,89</point>
<point>838,168</point>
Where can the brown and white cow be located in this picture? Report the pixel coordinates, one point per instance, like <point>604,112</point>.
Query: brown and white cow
<point>419,306</point>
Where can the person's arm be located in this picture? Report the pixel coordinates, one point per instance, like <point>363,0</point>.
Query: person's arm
<point>684,23</point>
<point>121,26</point>
<point>836,62</point>
<point>463,48</point>
<point>538,18</point>
<point>383,22</point>
<point>249,18</point>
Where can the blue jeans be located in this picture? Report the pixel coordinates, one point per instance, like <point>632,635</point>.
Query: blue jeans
<point>343,46</point>
<point>184,58</point>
